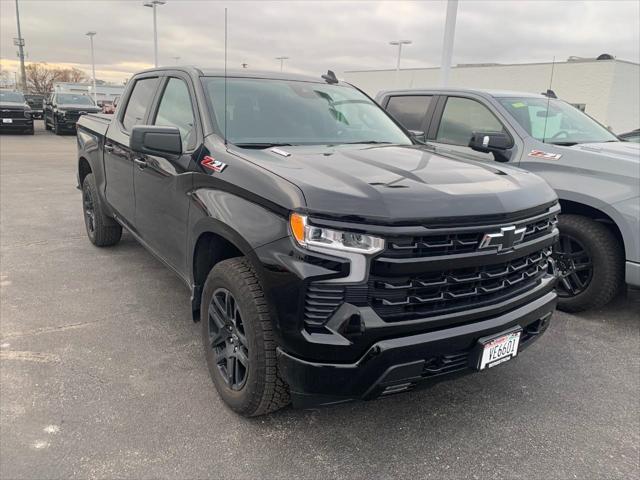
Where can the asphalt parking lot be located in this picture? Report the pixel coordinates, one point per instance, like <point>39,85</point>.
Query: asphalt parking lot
<point>103,375</point>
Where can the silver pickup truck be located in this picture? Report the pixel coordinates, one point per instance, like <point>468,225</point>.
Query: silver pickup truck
<point>594,173</point>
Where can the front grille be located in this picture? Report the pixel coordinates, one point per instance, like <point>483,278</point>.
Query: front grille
<point>459,242</point>
<point>4,113</point>
<point>453,290</point>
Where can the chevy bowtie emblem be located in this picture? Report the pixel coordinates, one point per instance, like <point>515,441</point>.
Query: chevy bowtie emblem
<point>505,239</point>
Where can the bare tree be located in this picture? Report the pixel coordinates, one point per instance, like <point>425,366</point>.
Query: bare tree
<point>41,77</point>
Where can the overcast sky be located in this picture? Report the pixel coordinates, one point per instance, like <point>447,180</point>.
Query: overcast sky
<point>316,35</point>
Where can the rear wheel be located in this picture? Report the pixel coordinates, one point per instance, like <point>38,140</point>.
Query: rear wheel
<point>101,230</point>
<point>238,340</point>
<point>590,261</point>
<point>56,127</point>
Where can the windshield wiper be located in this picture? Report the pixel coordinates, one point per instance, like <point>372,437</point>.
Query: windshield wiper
<point>261,145</point>
<point>564,144</point>
<point>364,142</point>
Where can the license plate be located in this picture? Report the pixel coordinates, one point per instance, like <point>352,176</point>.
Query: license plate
<point>7,120</point>
<point>495,350</point>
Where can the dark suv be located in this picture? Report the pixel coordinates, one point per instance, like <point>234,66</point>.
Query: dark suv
<point>330,257</point>
<point>62,111</point>
<point>15,113</point>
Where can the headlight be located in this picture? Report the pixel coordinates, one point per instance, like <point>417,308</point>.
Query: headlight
<point>310,236</point>
<point>27,114</point>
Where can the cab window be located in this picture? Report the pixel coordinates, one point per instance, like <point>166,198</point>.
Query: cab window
<point>409,110</point>
<point>462,117</point>
<point>139,101</point>
<point>175,111</point>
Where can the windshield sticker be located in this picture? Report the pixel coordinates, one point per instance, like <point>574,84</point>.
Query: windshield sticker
<point>545,155</point>
<point>518,105</point>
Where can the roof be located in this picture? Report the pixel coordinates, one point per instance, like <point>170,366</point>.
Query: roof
<point>244,73</point>
<point>479,91</point>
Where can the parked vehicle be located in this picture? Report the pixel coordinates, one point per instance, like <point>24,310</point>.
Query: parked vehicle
<point>36,102</point>
<point>15,113</point>
<point>329,256</point>
<point>595,175</point>
<point>632,136</point>
<point>62,111</point>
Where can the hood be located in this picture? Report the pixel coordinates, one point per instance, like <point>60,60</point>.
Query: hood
<point>621,150</point>
<point>14,105</point>
<point>69,107</point>
<point>398,183</point>
<point>619,158</point>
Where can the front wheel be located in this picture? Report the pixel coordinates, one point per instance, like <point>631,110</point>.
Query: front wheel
<point>590,262</point>
<point>238,340</point>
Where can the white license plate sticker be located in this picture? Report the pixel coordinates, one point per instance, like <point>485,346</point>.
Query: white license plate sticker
<point>499,350</point>
<point>7,120</point>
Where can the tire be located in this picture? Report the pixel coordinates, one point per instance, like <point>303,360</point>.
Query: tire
<point>46,125</point>
<point>260,390</point>
<point>606,255</point>
<point>56,128</point>
<point>101,230</point>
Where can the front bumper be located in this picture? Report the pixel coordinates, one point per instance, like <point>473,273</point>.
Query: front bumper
<point>632,274</point>
<point>17,124</point>
<point>404,363</point>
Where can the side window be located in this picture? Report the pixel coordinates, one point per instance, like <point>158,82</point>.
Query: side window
<point>409,110</point>
<point>175,111</point>
<point>462,117</point>
<point>139,101</point>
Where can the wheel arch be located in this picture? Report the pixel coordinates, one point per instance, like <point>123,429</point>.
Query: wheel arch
<point>84,169</point>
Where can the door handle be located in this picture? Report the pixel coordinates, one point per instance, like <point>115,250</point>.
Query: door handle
<point>108,148</point>
<point>140,162</point>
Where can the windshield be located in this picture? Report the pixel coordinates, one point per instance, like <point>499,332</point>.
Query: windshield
<point>263,112</point>
<point>563,124</point>
<point>15,97</point>
<point>68,98</point>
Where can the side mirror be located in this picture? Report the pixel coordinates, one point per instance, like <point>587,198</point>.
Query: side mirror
<point>497,143</point>
<point>153,140</point>
<point>418,136</point>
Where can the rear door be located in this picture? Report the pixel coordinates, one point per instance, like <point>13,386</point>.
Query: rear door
<point>412,111</point>
<point>161,184</point>
<point>118,158</point>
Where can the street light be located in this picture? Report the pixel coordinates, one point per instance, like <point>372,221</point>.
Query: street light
<point>282,59</point>
<point>153,4</point>
<point>93,65</point>
<point>399,43</point>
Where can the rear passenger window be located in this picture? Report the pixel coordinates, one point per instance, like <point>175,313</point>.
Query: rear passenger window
<point>409,110</point>
<point>139,101</point>
<point>462,117</point>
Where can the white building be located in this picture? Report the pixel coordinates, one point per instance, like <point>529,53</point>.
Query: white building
<point>608,90</point>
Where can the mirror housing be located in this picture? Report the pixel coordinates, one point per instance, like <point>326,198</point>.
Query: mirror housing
<point>418,135</point>
<point>155,140</point>
<point>498,143</point>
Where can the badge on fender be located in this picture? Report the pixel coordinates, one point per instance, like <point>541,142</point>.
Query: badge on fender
<point>213,164</point>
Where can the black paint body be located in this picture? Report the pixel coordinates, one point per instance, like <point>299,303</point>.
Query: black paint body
<point>171,204</point>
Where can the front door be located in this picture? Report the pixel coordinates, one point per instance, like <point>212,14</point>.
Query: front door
<point>161,184</point>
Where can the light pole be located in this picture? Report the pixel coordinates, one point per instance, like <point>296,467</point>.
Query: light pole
<point>19,42</point>
<point>153,4</point>
<point>282,59</point>
<point>93,65</point>
<point>447,42</point>
<point>399,43</point>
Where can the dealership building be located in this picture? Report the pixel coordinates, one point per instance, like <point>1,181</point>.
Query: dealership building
<point>607,89</point>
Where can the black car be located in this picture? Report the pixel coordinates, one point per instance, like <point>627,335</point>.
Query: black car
<point>15,113</point>
<point>36,102</point>
<point>329,255</point>
<point>62,111</point>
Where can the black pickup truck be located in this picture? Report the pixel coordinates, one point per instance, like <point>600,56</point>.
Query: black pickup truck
<point>329,255</point>
<point>62,111</point>
<point>15,113</point>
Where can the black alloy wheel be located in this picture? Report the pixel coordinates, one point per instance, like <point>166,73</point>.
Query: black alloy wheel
<point>228,340</point>
<point>574,265</point>
<point>89,211</point>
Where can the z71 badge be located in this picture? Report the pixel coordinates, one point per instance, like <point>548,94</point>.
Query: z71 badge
<point>545,155</point>
<point>213,164</point>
